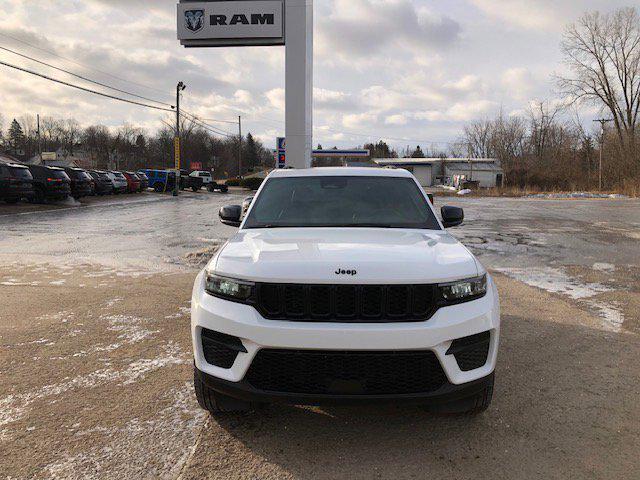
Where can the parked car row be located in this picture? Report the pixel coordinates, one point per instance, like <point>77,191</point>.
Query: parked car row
<point>40,183</point>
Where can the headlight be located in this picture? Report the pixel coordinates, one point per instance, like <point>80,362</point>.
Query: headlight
<point>463,290</point>
<point>229,288</point>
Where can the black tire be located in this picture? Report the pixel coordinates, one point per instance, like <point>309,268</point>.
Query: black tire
<point>195,189</point>
<point>39,196</point>
<point>210,187</point>
<point>224,188</point>
<point>158,187</point>
<point>216,403</point>
<point>473,405</point>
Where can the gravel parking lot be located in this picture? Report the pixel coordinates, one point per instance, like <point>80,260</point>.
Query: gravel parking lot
<point>96,363</point>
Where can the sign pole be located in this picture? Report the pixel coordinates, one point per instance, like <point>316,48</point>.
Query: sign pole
<point>299,82</point>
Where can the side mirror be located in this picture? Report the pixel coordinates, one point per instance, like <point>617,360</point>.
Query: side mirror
<point>246,203</point>
<point>452,216</point>
<point>230,215</point>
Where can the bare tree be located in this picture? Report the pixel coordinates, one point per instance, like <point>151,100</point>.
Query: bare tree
<point>603,55</point>
<point>476,139</point>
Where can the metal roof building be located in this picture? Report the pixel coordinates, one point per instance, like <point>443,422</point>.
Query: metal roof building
<point>441,171</point>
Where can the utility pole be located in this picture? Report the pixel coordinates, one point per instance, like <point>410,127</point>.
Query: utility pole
<point>470,161</point>
<point>39,142</point>
<point>176,188</point>
<point>601,121</point>
<point>239,146</point>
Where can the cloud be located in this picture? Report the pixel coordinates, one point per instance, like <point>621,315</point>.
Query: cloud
<point>397,119</point>
<point>383,68</point>
<point>365,27</point>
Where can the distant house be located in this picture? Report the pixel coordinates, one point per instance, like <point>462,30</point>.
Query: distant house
<point>79,158</point>
<point>6,158</point>
<point>442,171</point>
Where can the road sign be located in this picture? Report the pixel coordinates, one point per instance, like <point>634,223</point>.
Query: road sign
<point>223,23</point>
<point>281,152</point>
<point>231,23</point>
<point>176,146</point>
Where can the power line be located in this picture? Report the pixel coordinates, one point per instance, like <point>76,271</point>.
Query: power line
<point>84,78</point>
<point>206,126</point>
<point>215,120</point>
<point>81,64</point>
<point>83,88</point>
<point>209,128</point>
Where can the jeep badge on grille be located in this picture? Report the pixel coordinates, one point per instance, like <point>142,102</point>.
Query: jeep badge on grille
<point>345,272</point>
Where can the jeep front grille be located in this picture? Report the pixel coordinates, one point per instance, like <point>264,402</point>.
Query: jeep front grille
<point>346,303</point>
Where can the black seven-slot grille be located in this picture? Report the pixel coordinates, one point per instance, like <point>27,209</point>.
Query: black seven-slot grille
<point>346,303</point>
<point>333,372</point>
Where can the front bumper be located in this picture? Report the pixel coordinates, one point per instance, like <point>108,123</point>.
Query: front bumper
<point>446,394</point>
<point>257,333</point>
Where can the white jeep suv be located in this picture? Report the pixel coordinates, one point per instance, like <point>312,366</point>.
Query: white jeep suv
<point>342,286</point>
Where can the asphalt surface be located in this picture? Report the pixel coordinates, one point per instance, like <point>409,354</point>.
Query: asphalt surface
<point>95,355</point>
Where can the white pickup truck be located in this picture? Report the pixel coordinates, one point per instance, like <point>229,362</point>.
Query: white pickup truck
<point>208,182</point>
<point>342,286</point>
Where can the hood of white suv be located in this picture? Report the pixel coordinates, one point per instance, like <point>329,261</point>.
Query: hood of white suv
<point>344,255</point>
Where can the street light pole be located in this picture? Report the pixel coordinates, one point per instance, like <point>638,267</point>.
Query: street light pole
<point>601,121</point>
<point>176,143</point>
<point>239,146</point>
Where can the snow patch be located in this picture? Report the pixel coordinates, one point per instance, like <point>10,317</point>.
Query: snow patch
<point>15,406</point>
<point>576,195</point>
<point>156,448</point>
<point>604,267</point>
<point>557,281</point>
<point>129,328</point>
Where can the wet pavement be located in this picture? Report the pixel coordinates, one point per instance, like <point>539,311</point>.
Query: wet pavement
<point>96,364</point>
<point>149,232</point>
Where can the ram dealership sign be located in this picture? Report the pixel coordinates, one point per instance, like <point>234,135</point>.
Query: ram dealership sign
<point>231,23</point>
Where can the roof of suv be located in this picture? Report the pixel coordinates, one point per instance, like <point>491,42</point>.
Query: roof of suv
<point>340,172</point>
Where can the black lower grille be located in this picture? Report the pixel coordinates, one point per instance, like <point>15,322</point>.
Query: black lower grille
<point>220,349</point>
<point>471,352</point>
<point>346,303</point>
<point>328,372</point>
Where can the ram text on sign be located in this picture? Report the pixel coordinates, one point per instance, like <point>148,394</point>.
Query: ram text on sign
<point>231,23</point>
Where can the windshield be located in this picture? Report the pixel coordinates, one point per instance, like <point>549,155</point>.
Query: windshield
<point>22,173</point>
<point>348,201</point>
<point>51,173</point>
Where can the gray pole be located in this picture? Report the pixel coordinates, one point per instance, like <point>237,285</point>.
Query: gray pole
<point>239,146</point>
<point>299,82</point>
<point>601,121</point>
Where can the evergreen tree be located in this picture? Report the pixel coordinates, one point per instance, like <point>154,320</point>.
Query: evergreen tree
<point>380,150</point>
<point>251,153</point>
<point>417,153</point>
<point>16,135</point>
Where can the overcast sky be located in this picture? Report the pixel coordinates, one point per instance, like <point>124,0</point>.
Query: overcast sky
<point>410,71</point>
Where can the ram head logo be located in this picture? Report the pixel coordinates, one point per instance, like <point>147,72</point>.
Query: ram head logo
<point>194,20</point>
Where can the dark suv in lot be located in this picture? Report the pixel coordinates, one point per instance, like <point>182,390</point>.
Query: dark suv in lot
<point>81,182</point>
<point>16,182</point>
<point>102,182</point>
<point>50,183</point>
<point>144,181</point>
